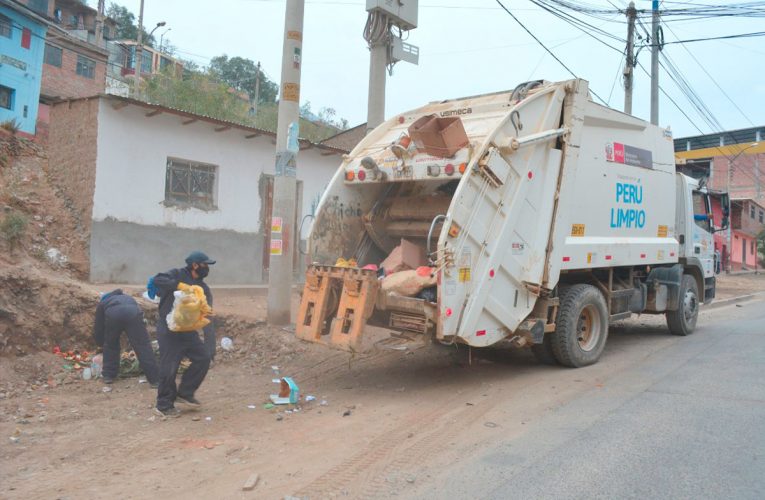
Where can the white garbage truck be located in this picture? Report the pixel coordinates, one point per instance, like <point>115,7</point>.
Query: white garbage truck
<point>544,217</point>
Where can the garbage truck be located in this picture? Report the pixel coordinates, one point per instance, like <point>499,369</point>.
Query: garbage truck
<point>542,217</point>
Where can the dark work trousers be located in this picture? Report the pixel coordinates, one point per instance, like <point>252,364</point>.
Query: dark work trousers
<point>173,347</point>
<point>128,319</point>
<point>210,339</point>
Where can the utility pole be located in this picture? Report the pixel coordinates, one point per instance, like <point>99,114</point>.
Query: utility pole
<point>630,63</point>
<point>257,92</point>
<point>100,23</point>
<point>655,63</point>
<point>378,63</point>
<point>139,54</point>
<point>283,236</point>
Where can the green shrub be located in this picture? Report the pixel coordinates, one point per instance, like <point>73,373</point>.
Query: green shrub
<point>12,229</point>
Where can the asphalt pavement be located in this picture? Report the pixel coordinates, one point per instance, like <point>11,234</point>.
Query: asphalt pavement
<point>685,422</point>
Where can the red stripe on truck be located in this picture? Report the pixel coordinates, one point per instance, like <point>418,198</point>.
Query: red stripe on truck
<point>566,259</point>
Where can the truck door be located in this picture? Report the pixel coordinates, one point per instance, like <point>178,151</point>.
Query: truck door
<point>703,245</point>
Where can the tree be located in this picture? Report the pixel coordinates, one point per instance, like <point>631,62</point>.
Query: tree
<point>127,27</point>
<point>242,74</point>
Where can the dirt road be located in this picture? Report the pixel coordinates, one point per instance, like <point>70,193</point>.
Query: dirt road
<point>393,421</point>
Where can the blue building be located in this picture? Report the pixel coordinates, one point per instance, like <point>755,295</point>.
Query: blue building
<point>22,47</point>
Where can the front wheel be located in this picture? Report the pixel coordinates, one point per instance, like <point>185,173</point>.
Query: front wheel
<point>683,320</point>
<point>581,327</point>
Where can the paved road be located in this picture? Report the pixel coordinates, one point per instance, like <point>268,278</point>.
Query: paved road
<point>686,422</point>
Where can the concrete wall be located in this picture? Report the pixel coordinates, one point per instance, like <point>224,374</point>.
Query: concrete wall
<point>130,216</point>
<point>21,69</point>
<point>124,252</point>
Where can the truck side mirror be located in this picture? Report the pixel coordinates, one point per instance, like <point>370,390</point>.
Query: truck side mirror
<point>725,204</point>
<point>725,222</point>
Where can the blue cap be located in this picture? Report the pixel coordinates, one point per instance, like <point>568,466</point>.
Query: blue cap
<point>198,257</point>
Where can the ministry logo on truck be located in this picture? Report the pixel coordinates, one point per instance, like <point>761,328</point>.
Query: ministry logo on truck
<point>617,152</point>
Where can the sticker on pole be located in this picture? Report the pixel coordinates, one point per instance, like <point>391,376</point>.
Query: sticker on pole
<point>291,92</point>
<point>577,230</point>
<point>276,224</point>
<point>276,247</point>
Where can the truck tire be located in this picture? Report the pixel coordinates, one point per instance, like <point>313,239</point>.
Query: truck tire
<point>683,321</point>
<point>544,351</point>
<point>581,328</point>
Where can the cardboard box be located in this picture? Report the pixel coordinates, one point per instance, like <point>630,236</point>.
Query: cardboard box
<point>405,256</point>
<point>440,137</point>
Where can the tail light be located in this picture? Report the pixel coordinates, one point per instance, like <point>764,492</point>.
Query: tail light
<point>449,169</point>
<point>463,167</point>
<point>362,175</point>
<point>349,175</point>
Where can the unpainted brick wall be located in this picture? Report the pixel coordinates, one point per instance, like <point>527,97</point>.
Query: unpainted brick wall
<point>66,83</point>
<point>72,149</point>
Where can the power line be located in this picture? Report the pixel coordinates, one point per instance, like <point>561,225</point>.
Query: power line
<point>545,47</point>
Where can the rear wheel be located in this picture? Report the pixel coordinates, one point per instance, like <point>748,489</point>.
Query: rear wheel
<point>581,328</point>
<point>683,321</point>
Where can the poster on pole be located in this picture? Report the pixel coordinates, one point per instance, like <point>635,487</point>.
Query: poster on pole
<point>276,225</point>
<point>276,247</point>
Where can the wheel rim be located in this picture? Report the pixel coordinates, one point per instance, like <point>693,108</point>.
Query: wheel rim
<point>690,305</point>
<point>588,328</point>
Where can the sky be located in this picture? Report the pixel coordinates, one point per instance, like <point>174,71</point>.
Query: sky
<point>471,47</point>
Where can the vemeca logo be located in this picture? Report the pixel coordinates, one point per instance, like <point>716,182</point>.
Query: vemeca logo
<point>456,112</point>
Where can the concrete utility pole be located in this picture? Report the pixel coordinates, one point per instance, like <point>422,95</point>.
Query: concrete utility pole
<point>655,63</point>
<point>100,23</point>
<point>138,54</point>
<point>257,92</point>
<point>283,235</point>
<point>378,63</point>
<point>630,63</point>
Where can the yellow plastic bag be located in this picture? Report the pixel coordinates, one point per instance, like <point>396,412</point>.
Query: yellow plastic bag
<point>341,262</point>
<point>190,309</point>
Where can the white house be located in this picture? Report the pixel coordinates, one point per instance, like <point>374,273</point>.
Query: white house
<point>150,184</point>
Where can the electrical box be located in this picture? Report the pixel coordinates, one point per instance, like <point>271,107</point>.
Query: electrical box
<point>402,51</point>
<point>402,12</point>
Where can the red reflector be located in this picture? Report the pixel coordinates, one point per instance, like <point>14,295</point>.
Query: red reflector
<point>401,119</point>
<point>671,254</point>
<point>448,312</point>
<point>491,273</point>
<point>361,175</point>
<point>449,169</point>
<point>480,333</point>
<point>566,259</point>
<point>530,175</point>
<point>642,256</point>
<point>608,257</point>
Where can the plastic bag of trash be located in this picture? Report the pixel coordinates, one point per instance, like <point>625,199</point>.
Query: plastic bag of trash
<point>408,283</point>
<point>190,309</point>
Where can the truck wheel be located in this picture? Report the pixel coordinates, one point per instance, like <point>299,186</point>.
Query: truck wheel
<point>581,328</point>
<point>544,351</point>
<point>683,321</point>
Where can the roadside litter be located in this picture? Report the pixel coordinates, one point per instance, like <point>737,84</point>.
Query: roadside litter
<point>226,344</point>
<point>289,393</point>
<point>190,309</point>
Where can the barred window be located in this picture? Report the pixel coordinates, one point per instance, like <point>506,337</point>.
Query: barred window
<point>5,26</point>
<point>86,67</point>
<point>53,55</point>
<point>190,184</point>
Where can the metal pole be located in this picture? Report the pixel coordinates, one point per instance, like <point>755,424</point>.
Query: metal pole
<point>283,237</point>
<point>655,64</point>
<point>257,92</point>
<point>139,54</point>
<point>630,64</point>
<point>378,62</point>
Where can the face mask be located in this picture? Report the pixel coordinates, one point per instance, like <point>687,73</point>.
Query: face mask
<point>203,271</point>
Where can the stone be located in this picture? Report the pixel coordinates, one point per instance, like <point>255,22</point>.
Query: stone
<point>251,482</point>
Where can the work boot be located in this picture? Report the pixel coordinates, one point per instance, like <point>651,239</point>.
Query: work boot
<point>154,385</point>
<point>171,412</point>
<point>189,400</point>
<point>108,381</point>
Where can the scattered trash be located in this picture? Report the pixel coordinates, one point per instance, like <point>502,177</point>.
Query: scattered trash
<point>347,413</point>
<point>14,439</point>
<point>209,419</point>
<point>410,479</point>
<point>310,398</point>
<point>251,407</point>
<point>279,418</point>
<point>268,406</point>
<point>323,403</point>
<point>490,425</point>
<point>275,369</point>
<point>152,418</point>
<point>106,389</point>
<point>87,374</point>
<point>289,393</point>
<point>226,344</point>
<point>142,380</point>
<point>195,419</point>
<point>251,482</point>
